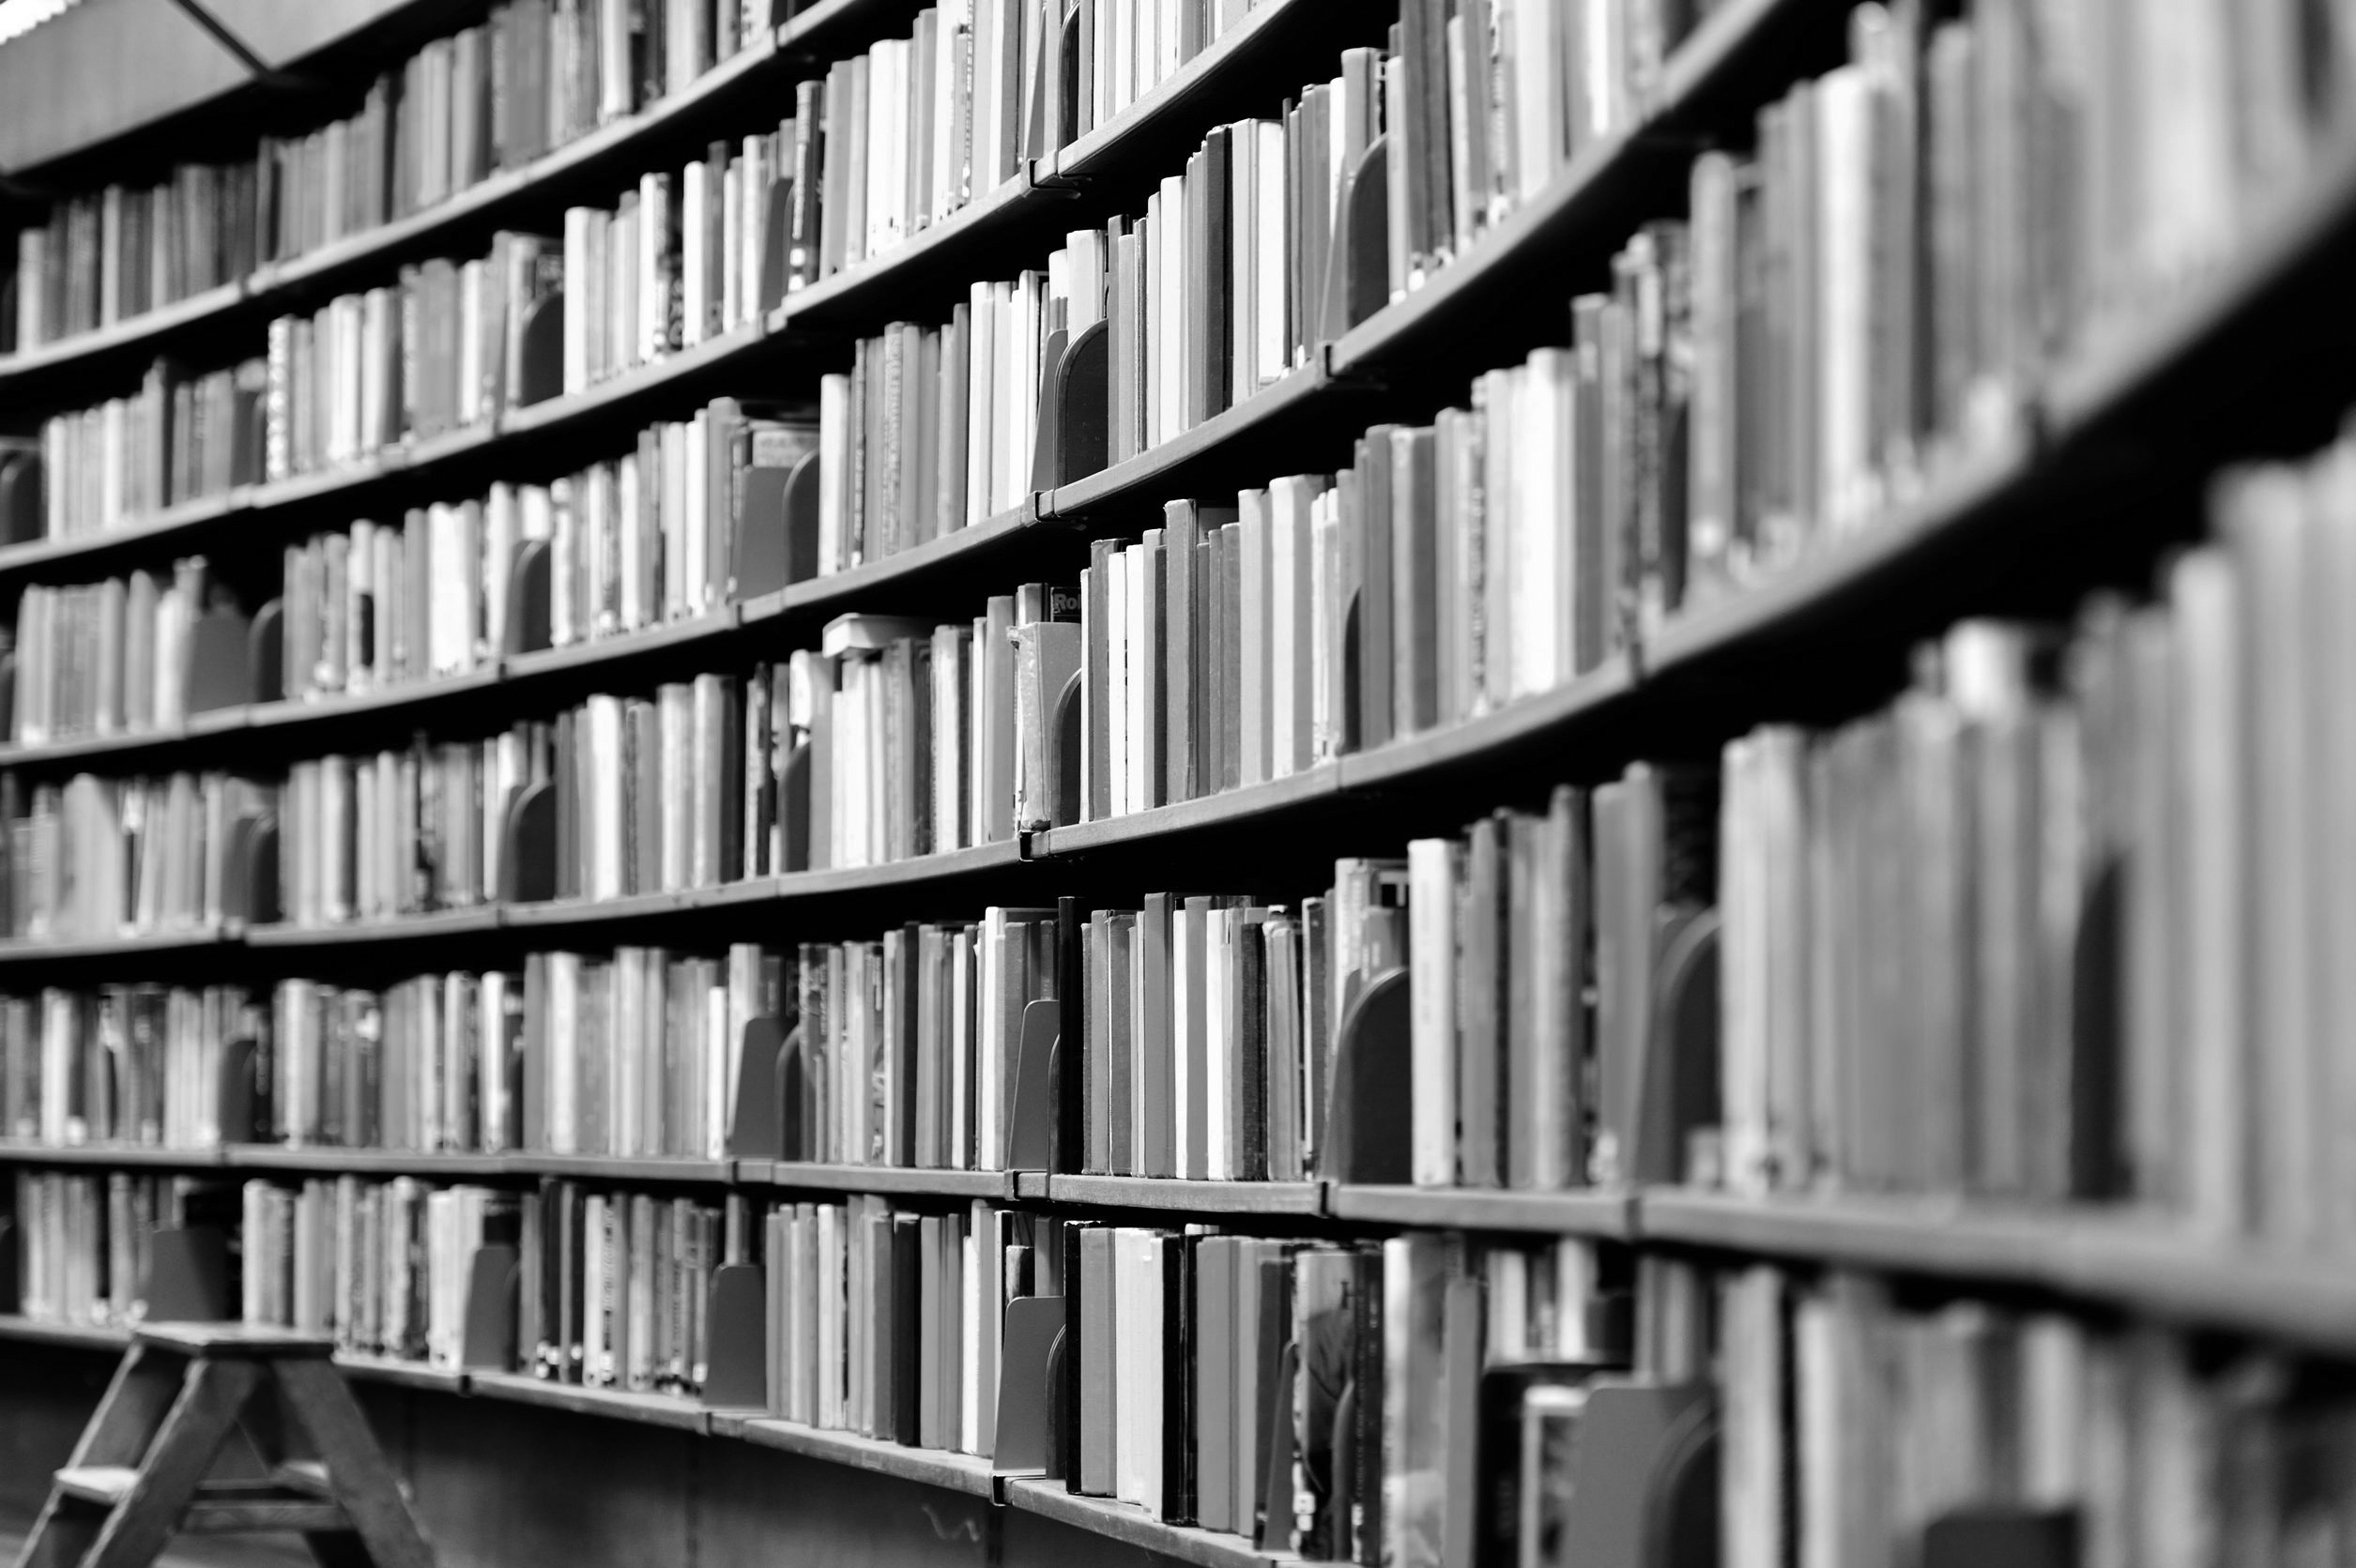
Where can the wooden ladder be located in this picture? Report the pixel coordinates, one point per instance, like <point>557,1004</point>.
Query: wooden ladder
<point>139,1473</point>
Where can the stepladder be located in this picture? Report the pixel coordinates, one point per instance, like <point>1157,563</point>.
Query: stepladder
<point>145,1468</point>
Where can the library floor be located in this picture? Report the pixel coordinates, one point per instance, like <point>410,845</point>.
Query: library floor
<point>187,1551</point>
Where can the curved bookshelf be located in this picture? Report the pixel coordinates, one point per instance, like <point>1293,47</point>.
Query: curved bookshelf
<point>2090,1255</point>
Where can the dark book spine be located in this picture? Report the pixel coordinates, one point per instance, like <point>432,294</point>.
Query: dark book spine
<point>1251,1036</point>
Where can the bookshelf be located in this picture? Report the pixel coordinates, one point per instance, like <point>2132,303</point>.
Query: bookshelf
<point>2096,468</point>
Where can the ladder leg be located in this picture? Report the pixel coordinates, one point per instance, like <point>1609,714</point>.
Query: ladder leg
<point>359,1474</point>
<point>134,1405</point>
<point>204,1415</point>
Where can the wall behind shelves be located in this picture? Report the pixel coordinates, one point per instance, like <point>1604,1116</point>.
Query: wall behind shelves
<point>108,67</point>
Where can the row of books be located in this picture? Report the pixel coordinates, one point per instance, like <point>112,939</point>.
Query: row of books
<point>1536,947</point>
<point>1206,298</point>
<point>95,859</point>
<point>678,261</point>
<point>652,796</point>
<point>438,351</point>
<point>395,833</point>
<point>1859,1426</point>
<point>633,1052</point>
<point>1485,107</point>
<point>613,1288</point>
<point>379,1267</point>
<point>921,739</point>
<point>180,437</point>
<point>127,249</point>
<point>1328,1399</point>
<point>109,657</point>
<point>1918,236</point>
<point>845,758</point>
<point>634,543</point>
<point>134,1064</point>
<point>902,137</point>
<point>2116,928</point>
<point>83,1240</point>
<point>890,1323</point>
<point>906,1050</point>
<point>488,98</point>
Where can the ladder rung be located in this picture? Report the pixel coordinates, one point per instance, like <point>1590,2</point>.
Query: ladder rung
<point>221,1515</point>
<point>103,1485</point>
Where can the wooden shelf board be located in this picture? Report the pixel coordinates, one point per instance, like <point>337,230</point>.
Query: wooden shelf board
<point>1399,330</point>
<point>1836,570</point>
<point>363,1162</point>
<point>2155,1267</point>
<point>620,647</point>
<point>1227,806</point>
<point>1476,739</point>
<point>924,868</point>
<point>407,694</point>
<point>956,1472</point>
<point>651,1409</point>
<point>400,1372</point>
<point>182,517</point>
<point>877,280</point>
<point>631,384</point>
<point>809,1176</point>
<point>839,590</point>
<point>1160,470</point>
<point>119,335</point>
<point>404,928</point>
<point>79,1336</point>
<point>1603,1215</point>
<point>1131,1524</point>
<point>114,1156</point>
<point>627,1169</point>
<point>1302,1199</point>
<point>110,947</point>
<point>591,911</point>
<point>80,748</point>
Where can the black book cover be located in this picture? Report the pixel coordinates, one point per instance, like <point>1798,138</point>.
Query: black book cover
<point>1066,1391</point>
<point>905,1312</point>
<point>1365,1456</point>
<point>1068,1089</point>
<point>1178,1353</point>
<point>1216,282</point>
<point>1251,1036</point>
